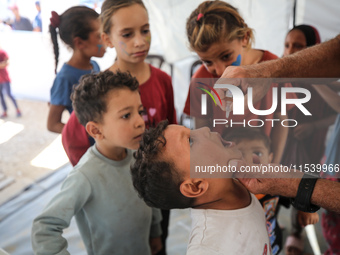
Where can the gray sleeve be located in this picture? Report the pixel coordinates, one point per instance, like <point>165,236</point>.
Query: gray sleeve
<point>156,229</point>
<point>48,227</point>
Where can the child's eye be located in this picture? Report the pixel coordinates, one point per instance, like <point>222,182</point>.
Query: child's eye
<point>206,63</point>
<point>146,31</point>
<point>226,57</point>
<point>126,35</point>
<point>191,141</point>
<point>126,116</point>
<point>258,153</point>
<point>142,112</point>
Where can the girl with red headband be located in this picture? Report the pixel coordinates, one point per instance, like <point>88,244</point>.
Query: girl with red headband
<point>220,37</point>
<point>78,28</point>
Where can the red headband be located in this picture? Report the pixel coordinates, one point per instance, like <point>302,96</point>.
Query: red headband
<point>55,19</point>
<point>199,16</point>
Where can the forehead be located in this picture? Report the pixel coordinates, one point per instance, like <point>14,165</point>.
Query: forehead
<point>177,147</point>
<point>119,98</point>
<point>130,16</point>
<point>296,35</point>
<point>218,48</point>
<point>251,144</point>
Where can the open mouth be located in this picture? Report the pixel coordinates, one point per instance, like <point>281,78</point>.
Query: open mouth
<point>225,143</point>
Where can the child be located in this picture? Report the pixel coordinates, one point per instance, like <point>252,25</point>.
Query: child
<point>125,26</point>
<point>5,84</point>
<point>155,85</point>
<point>226,219</point>
<point>220,37</point>
<point>79,29</point>
<point>251,141</point>
<point>98,191</point>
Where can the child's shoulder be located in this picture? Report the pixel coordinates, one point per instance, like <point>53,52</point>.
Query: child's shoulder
<point>95,66</point>
<point>93,158</point>
<point>267,55</point>
<point>66,70</point>
<point>158,73</point>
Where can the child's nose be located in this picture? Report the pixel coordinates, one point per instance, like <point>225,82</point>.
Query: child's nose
<point>219,68</point>
<point>139,121</point>
<point>139,40</point>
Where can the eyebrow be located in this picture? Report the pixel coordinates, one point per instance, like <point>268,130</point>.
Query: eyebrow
<point>130,28</point>
<point>126,108</point>
<point>220,55</point>
<point>225,52</point>
<point>130,107</point>
<point>259,147</point>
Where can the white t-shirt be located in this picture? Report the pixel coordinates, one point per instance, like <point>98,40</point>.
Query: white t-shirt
<point>241,231</point>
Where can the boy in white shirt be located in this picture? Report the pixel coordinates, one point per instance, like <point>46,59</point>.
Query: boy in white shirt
<point>226,218</point>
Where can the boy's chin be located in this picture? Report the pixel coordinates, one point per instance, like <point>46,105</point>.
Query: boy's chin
<point>134,146</point>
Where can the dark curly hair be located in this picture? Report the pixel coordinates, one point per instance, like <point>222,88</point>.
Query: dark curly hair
<point>89,97</point>
<point>156,180</point>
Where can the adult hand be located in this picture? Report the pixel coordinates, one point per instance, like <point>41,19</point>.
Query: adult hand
<point>305,218</point>
<point>268,182</point>
<point>302,131</point>
<point>243,77</point>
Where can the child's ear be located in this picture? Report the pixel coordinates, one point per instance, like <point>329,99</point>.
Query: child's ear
<point>94,130</point>
<point>270,157</point>
<point>107,41</point>
<point>245,39</point>
<point>194,187</point>
<point>78,43</point>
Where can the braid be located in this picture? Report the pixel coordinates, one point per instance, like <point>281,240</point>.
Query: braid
<point>54,39</point>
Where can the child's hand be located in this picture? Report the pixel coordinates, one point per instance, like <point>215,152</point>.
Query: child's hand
<point>305,218</point>
<point>155,245</point>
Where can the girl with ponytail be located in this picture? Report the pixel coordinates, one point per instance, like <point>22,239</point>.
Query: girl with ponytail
<point>79,28</point>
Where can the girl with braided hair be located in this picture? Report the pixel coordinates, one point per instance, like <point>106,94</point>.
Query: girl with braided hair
<point>79,29</point>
